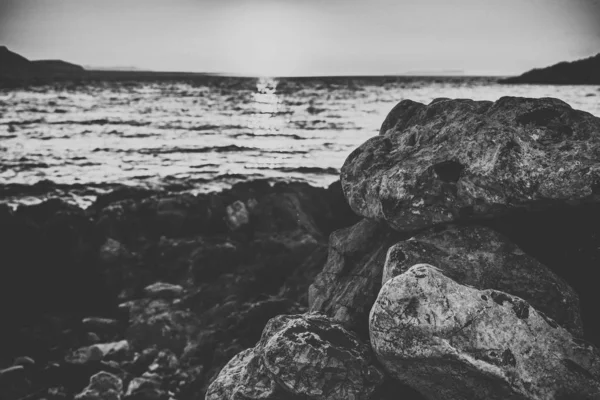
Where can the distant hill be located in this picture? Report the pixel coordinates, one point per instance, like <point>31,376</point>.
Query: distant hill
<point>580,72</point>
<point>57,66</point>
<point>13,65</point>
<point>15,69</point>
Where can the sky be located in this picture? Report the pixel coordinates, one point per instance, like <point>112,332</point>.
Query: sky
<point>305,37</point>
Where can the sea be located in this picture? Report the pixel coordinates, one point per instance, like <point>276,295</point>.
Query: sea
<point>75,141</point>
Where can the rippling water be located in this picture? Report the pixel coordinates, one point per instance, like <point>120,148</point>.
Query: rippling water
<point>76,141</point>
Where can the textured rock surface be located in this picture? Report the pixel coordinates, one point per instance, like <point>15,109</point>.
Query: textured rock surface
<point>348,285</point>
<point>103,386</point>
<point>482,258</point>
<point>192,292</point>
<point>245,377</point>
<point>307,356</point>
<point>459,159</point>
<point>454,341</point>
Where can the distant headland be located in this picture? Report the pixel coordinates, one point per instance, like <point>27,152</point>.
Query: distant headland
<point>16,70</point>
<point>14,67</point>
<point>580,72</point>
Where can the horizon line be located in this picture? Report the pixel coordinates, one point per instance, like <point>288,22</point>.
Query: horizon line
<point>133,70</point>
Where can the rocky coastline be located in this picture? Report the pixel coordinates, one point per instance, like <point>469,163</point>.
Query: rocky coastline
<point>454,259</point>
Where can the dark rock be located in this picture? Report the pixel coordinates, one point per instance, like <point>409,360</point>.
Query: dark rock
<point>156,323</point>
<point>99,324</point>
<point>103,386</point>
<point>479,257</point>
<point>566,240</point>
<point>463,160</point>
<point>348,285</point>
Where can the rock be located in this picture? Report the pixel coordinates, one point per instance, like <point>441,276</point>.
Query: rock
<point>114,351</point>
<point>101,351</point>
<point>85,355</point>
<point>92,338</point>
<point>103,386</point>
<point>143,360</point>
<point>349,283</point>
<point>566,240</point>
<point>145,388</point>
<point>237,215</point>
<point>310,355</point>
<point>463,159</point>
<point>479,257</point>
<point>100,325</point>
<point>245,377</point>
<point>454,341</point>
<point>11,372</point>
<point>164,362</point>
<point>307,356</point>
<point>156,323</point>
<point>24,361</point>
<point>163,290</point>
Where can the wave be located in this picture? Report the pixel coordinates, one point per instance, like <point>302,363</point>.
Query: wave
<point>101,121</point>
<point>293,136</point>
<point>303,170</point>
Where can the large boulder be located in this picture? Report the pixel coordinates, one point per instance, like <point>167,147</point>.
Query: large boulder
<point>349,283</point>
<point>308,356</point>
<point>465,159</point>
<point>480,257</point>
<point>454,341</point>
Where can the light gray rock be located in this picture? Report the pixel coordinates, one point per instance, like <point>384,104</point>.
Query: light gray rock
<point>145,388</point>
<point>465,159</point>
<point>452,341</point>
<point>480,257</point>
<point>101,351</point>
<point>163,290</point>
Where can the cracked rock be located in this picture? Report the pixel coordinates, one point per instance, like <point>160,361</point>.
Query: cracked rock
<point>463,159</point>
<point>482,258</point>
<point>454,341</point>
<point>300,355</point>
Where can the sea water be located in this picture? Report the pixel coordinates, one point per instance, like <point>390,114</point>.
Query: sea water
<point>78,140</point>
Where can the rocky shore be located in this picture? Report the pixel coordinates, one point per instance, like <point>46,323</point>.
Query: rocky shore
<point>157,290</point>
<point>454,260</point>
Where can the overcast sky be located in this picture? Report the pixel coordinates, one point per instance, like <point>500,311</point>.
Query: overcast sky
<point>305,37</point>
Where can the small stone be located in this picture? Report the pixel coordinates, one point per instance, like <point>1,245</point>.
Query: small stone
<point>92,338</point>
<point>97,324</point>
<point>102,386</point>
<point>162,290</point>
<point>24,361</point>
<point>146,388</point>
<point>237,215</point>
